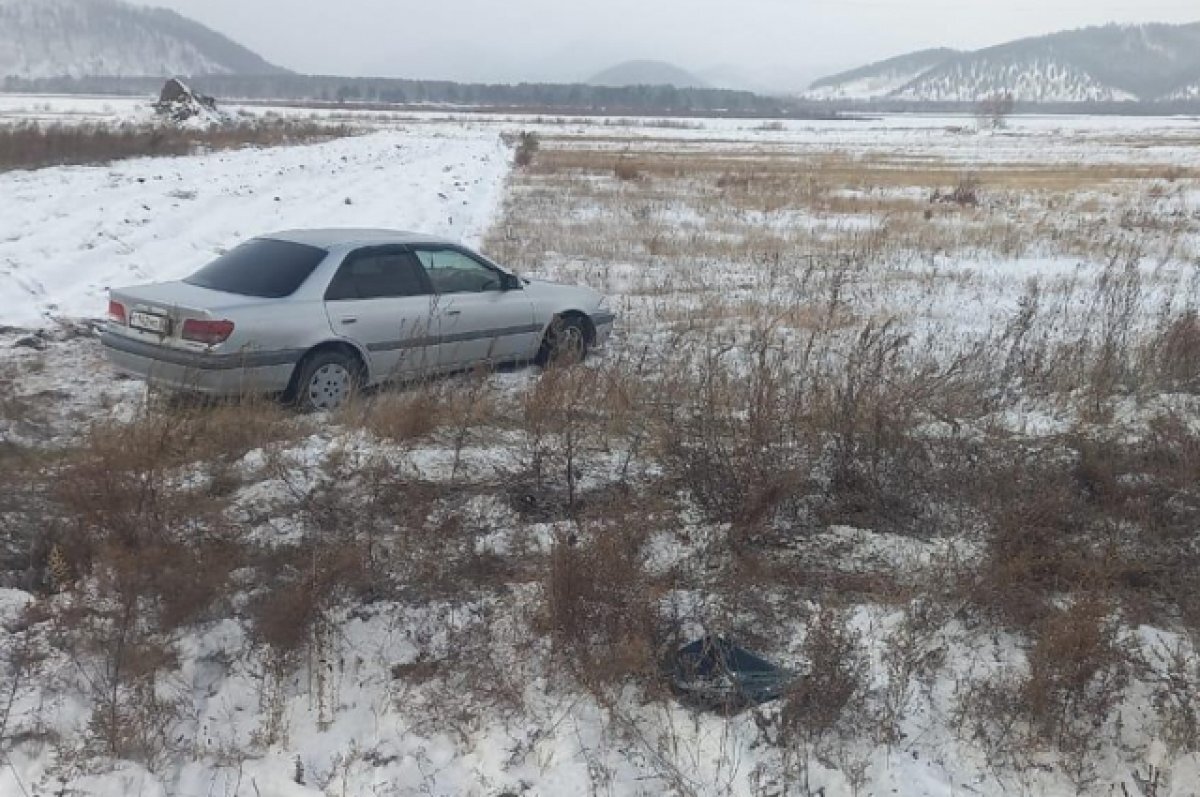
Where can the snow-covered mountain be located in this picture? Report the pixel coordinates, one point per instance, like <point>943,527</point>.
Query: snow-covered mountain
<point>77,38</point>
<point>879,79</point>
<point>1098,64</point>
<point>1033,79</point>
<point>1191,92</point>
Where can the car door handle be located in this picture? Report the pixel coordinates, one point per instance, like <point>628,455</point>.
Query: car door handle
<point>454,312</point>
<point>349,319</point>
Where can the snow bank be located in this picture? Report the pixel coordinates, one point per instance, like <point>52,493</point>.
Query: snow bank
<point>70,233</point>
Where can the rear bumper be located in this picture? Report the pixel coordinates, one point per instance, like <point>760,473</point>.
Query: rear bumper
<point>216,374</point>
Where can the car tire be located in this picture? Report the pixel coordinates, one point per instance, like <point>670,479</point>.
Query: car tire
<point>565,343</point>
<point>326,380</point>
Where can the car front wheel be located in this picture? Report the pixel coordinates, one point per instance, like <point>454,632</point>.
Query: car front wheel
<point>566,342</point>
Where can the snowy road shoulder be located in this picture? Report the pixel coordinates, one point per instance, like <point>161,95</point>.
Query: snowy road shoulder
<point>68,234</point>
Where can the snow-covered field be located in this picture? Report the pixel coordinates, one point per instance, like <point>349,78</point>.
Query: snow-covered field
<point>757,269</point>
<point>70,233</point>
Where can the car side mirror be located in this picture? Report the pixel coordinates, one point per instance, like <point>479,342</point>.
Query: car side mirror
<point>510,282</point>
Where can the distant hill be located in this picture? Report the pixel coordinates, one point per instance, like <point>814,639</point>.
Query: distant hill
<point>1099,64</point>
<point>82,38</point>
<point>879,79</point>
<point>647,73</point>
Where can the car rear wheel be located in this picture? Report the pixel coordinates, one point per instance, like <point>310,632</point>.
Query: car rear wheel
<point>326,381</point>
<point>566,342</point>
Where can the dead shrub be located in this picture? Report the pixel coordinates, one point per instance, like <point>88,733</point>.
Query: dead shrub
<point>404,416</point>
<point>1177,698</point>
<point>113,639</point>
<point>992,112</point>
<point>142,550</point>
<point>456,406</point>
<point>834,683</point>
<point>1034,550</point>
<point>128,507</point>
<point>1078,671</point>
<point>821,432</point>
<point>599,605</point>
<point>733,181</point>
<point>24,542</point>
<point>823,708</point>
<point>527,147</point>
<point>1109,342</point>
<point>627,169</point>
<point>732,441</point>
<point>965,193</point>
<point>1176,350</point>
<point>303,582</point>
<point>867,409</point>
<point>371,532</point>
<point>563,426</point>
<point>405,533</point>
<point>30,145</point>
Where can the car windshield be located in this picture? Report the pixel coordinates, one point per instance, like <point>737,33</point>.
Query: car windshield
<point>260,267</point>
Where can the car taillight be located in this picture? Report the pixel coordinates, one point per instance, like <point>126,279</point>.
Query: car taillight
<point>204,331</point>
<point>116,312</point>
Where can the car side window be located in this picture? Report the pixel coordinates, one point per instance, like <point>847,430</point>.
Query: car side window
<point>451,271</point>
<point>374,274</point>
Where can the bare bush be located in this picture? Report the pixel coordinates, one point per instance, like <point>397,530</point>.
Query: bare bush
<point>527,147</point>
<point>30,145</point>
<point>1067,699</point>
<point>599,604</point>
<point>823,709</point>
<point>992,112</point>
<point>965,193</point>
<point>834,684</point>
<point>1033,552</point>
<point>1078,670</point>
<point>627,169</point>
<point>1176,349</point>
<point>564,426</point>
<point>143,555</point>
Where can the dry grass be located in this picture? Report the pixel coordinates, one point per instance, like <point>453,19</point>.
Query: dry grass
<point>792,412</point>
<point>31,145</point>
<point>717,199</point>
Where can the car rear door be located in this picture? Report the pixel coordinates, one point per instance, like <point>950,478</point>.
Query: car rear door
<point>481,315</point>
<point>380,298</point>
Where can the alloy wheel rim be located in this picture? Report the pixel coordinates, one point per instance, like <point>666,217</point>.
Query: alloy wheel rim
<point>570,343</point>
<point>329,386</point>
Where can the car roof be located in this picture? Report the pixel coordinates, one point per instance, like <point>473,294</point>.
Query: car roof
<point>327,238</point>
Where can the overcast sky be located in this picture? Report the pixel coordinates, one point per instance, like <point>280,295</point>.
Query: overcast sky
<point>775,41</point>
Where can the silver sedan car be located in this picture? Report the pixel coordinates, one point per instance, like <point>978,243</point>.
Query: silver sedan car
<point>314,315</point>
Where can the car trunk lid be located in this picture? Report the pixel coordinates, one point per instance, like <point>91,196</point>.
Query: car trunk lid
<point>156,313</point>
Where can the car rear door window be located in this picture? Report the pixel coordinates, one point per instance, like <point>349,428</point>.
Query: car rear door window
<point>378,274</point>
<point>452,271</point>
<point>261,267</point>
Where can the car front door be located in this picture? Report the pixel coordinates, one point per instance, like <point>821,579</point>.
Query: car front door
<point>482,315</point>
<point>381,299</point>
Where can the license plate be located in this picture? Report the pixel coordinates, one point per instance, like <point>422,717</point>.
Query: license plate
<point>149,322</point>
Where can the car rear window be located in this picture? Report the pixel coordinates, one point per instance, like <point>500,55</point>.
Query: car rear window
<point>260,267</point>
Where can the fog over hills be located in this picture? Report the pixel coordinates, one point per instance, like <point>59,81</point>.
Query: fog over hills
<point>647,73</point>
